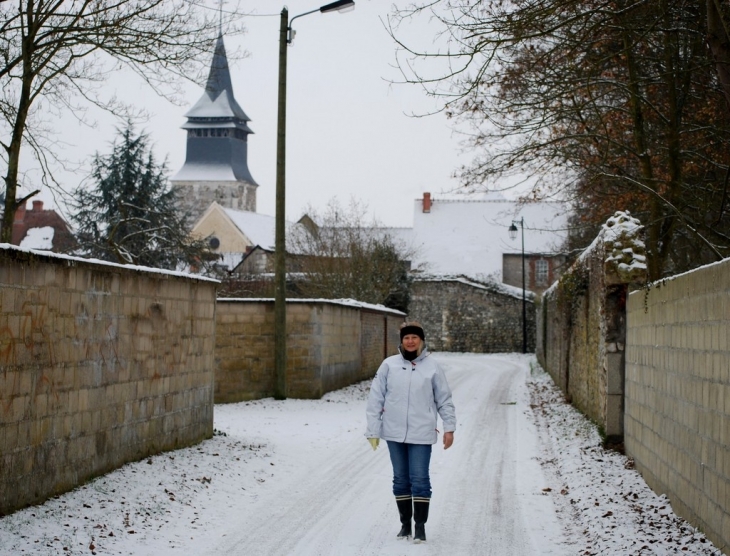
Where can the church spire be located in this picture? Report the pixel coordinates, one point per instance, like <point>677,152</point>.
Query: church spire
<point>216,164</point>
<point>218,100</point>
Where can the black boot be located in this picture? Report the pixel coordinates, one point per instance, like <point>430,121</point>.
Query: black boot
<point>405,510</point>
<point>420,516</point>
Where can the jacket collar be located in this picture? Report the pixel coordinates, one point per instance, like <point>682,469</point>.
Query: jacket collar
<point>424,353</point>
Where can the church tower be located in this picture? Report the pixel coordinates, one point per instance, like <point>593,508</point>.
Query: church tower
<point>216,163</point>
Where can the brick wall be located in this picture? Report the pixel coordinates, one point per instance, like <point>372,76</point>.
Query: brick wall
<point>512,270</point>
<point>99,365</point>
<point>466,316</point>
<point>330,344</point>
<point>678,394</point>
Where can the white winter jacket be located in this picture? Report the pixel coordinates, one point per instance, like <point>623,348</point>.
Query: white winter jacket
<point>405,398</point>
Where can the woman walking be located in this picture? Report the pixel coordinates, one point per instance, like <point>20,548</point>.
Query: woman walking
<point>407,393</point>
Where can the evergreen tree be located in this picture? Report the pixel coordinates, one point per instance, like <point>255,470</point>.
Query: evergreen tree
<point>130,215</point>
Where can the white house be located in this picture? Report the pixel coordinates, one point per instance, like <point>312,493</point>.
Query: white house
<point>469,235</point>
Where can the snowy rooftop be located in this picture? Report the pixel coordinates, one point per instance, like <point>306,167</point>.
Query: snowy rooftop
<point>468,234</point>
<point>205,172</point>
<point>38,238</point>
<point>260,229</point>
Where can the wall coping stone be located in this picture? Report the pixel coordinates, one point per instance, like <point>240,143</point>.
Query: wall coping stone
<point>495,287</point>
<point>342,302</point>
<point>23,253</point>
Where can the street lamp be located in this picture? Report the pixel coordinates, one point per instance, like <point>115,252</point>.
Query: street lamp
<point>512,235</point>
<point>286,35</point>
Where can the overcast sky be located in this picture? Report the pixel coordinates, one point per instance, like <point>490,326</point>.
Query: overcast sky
<point>347,127</point>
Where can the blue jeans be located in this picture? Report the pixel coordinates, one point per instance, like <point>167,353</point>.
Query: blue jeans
<point>410,469</point>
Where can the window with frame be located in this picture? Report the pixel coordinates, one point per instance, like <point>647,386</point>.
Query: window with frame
<point>541,272</point>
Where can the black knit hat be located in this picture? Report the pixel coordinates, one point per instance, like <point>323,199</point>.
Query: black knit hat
<point>412,328</point>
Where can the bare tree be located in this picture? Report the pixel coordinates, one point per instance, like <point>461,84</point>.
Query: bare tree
<point>343,256</point>
<point>606,102</point>
<point>62,51</point>
<point>718,37</point>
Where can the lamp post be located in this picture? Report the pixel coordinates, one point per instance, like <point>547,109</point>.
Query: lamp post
<point>513,234</point>
<point>286,35</point>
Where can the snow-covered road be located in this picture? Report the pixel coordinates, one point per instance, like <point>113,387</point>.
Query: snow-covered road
<point>487,487</point>
<point>526,476</point>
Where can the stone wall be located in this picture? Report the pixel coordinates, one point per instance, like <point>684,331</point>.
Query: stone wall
<point>100,365</point>
<point>581,324</point>
<point>330,344</point>
<point>678,394</point>
<point>462,315</point>
<point>379,339</point>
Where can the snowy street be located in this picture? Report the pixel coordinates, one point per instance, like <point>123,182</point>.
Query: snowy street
<point>526,476</point>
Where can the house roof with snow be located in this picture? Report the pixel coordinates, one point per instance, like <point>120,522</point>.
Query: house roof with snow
<point>468,234</point>
<point>41,229</point>
<point>233,233</point>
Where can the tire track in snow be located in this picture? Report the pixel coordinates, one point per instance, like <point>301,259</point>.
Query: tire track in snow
<point>313,509</point>
<point>481,493</point>
<point>345,506</point>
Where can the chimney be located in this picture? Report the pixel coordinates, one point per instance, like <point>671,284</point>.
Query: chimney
<point>426,202</point>
<point>37,206</point>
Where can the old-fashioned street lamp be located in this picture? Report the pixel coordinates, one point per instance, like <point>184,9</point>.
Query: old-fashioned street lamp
<point>512,235</point>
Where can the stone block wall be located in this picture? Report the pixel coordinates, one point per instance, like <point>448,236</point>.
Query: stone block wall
<point>462,315</point>
<point>678,394</point>
<point>380,337</point>
<point>582,328</point>
<point>330,344</point>
<point>100,365</point>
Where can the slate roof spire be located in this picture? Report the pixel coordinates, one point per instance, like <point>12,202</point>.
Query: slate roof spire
<point>218,100</point>
<point>216,161</point>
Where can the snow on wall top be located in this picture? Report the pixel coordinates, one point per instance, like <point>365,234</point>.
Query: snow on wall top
<point>71,259</point>
<point>345,302</point>
<point>625,251</point>
<point>619,245</point>
<point>489,285</point>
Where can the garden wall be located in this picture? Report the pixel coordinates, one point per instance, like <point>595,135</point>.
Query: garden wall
<point>100,364</point>
<point>463,315</point>
<point>330,344</point>
<point>581,326</point>
<point>678,394</point>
